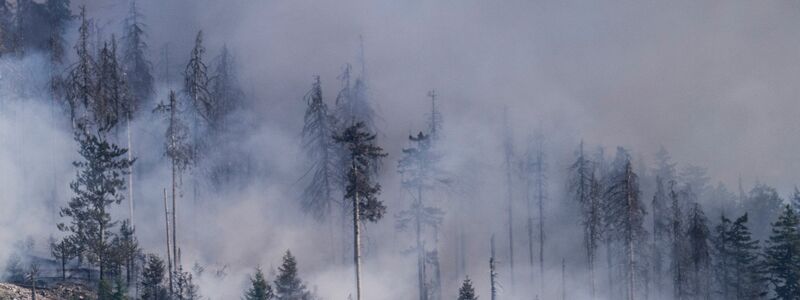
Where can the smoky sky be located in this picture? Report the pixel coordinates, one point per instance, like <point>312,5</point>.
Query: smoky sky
<point>715,83</point>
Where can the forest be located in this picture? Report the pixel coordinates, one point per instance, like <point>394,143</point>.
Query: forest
<point>376,150</point>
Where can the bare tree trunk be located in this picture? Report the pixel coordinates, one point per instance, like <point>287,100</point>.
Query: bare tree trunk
<point>492,272</point>
<point>169,258</point>
<point>174,218</point>
<point>423,293</point>
<point>130,171</point>
<point>510,217</point>
<point>357,241</point>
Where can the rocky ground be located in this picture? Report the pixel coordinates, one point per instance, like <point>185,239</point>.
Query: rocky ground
<point>65,291</point>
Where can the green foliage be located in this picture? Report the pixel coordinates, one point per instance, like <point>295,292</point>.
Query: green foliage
<point>467,292</point>
<point>782,255</point>
<point>100,183</point>
<point>288,286</point>
<point>364,155</point>
<point>260,289</point>
<point>152,282</point>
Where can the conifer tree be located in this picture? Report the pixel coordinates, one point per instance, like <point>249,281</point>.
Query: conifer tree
<point>723,257</point>
<point>352,103</point>
<point>288,286</point>
<point>185,289</point>
<point>99,184</point>
<point>318,129</point>
<point>180,152</point>
<point>225,90</point>
<point>782,256</point>
<point>196,84</point>
<point>111,103</point>
<point>81,79</point>
<point>64,251</point>
<point>467,292</point>
<point>152,283</point>
<point>661,235</point>
<point>508,158</point>
<point>624,215</point>
<point>260,288</point>
<point>583,187</point>
<point>138,69</point>
<point>700,253</point>
<point>679,248</point>
<point>363,157</point>
<point>418,168</point>
<point>747,281</point>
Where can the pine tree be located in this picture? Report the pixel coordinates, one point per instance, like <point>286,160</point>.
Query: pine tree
<point>467,292</point>
<point>318,129</point>
<point>508,158</point>
<point>260,288</point>
<point>196,83</point>
<point>700,252</point>
<point>583,186</point>
<point>98,185</point>
<point>624,218</point>
<point>64,251</point>
<point>126,248</point>
<point>360,189</point>
<point>288,285</point>
<point>661,235</point>
<point>225,90</point>
<point>723,257</point>
<point>679,248</point>
<point>138,69</point>
<point>782,255</point>
<point>185,289</point>
<point>418,169</point>
<point>352,103</point>
<point>82,79</point>
<point>111,103</point>
<point>152,284</point>
<point>747,281</point>
<point>180,152</point>
<point>493,284</point>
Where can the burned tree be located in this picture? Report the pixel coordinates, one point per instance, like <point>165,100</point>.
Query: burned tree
<point>585,190</point>
<point>179,151</point>
<point>624,217</point>
<point>321,150</point>
<point>418,168</point>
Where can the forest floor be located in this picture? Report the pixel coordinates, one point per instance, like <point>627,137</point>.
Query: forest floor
<point>67,291</point>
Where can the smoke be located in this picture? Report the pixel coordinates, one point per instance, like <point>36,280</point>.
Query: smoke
<point>714,84</point>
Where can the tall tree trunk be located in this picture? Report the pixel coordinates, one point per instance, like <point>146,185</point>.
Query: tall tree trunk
<point>423,293</point>
<point>174,217</point>
<point>169,257</point>
<point>510,217</point>
<point>356,238</point>
<point>130,171</point>
<point>492,272</point>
